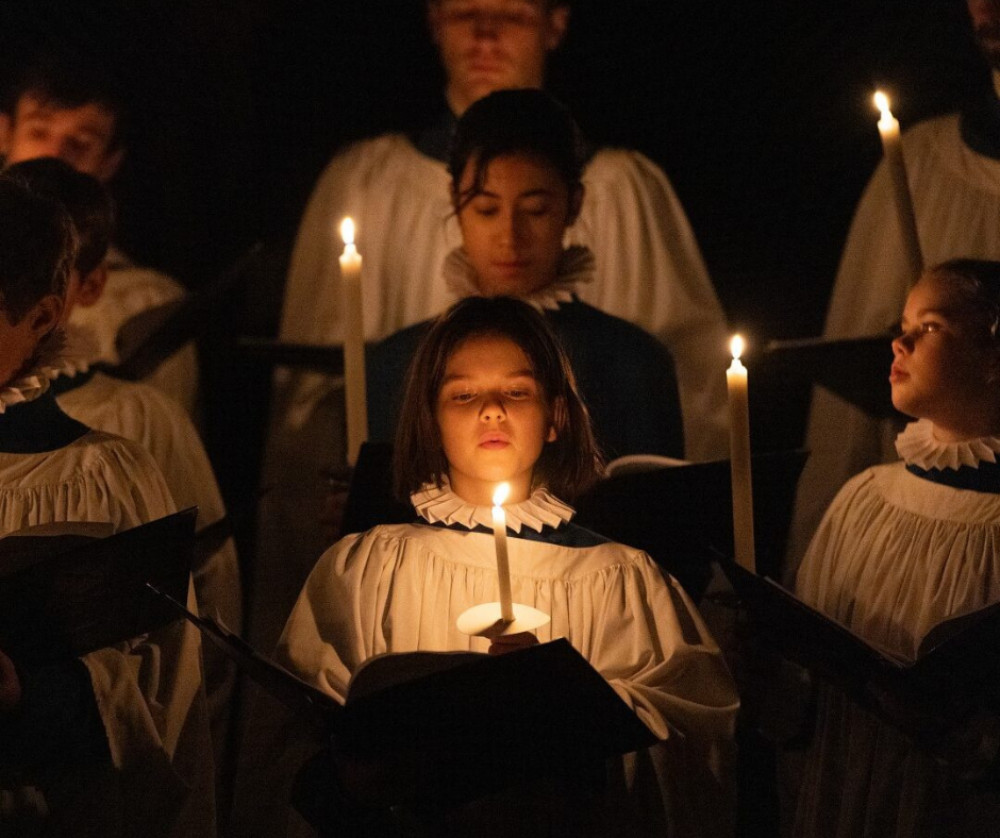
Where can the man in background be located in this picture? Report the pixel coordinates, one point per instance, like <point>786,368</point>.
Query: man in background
<point>70,107</point>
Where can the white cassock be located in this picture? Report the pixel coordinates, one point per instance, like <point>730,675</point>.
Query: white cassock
<point>649,268</point>
<point>895,555</point>
<point>401,588</point>
<point>149,690</point>
<point>145,415</point>
<point>956,198</point>
<point>131,290</point>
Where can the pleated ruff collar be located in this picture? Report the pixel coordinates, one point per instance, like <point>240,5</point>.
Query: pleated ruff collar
<point>576,267</point>
<point>440,505</point>
<point>970,464</point>
<point>49,363</point>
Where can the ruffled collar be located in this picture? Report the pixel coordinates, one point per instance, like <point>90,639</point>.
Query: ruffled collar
<point>970,464</point>
<point>917,446</point>
<point>439,504</point>
<point>49,362</point>
<point>576,266</point>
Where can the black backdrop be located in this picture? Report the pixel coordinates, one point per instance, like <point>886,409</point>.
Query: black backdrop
<point>760,113</point>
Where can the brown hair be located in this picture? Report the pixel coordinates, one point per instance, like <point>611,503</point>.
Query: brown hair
<point>567,466</point>
<point>37,248</point>
<point>976,286</point>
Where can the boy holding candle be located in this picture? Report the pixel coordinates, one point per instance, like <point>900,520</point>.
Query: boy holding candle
<point>490,398</point>
<point>115,743</point>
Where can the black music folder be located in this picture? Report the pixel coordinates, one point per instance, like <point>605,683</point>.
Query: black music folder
<point>856,369</point>
<point>64,595</point>
<point>954,670</point>
<point>491,714</point>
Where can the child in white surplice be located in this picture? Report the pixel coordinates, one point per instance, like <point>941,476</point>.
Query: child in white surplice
<point>115,743</point>
<point>490,397</point>
<point>903,547</point>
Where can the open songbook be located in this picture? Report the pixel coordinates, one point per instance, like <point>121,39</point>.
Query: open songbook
<point>545,702</point>
<point>68,589</point>
<point>953,672</point>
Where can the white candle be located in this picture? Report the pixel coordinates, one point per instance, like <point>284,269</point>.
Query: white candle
<point>500,541</point>
<point>354,344</point>
<point>892,148</point>
<point>739,458</point>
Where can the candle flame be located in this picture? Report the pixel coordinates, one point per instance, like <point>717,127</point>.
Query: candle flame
<point>347,230</point>
<point>500,494</point>
<point>736,346</point>
<point>882,103</point>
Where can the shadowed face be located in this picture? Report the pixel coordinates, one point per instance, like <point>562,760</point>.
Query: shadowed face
<point>985,16</point>
<point>80,136</point>
<point>488,45</point>
<point>512,230</point>
<point>18,341</point>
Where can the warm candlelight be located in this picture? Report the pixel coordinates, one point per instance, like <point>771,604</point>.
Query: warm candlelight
<point>354,344</point>
<point>739,458</point>
<point>892,148</point>
<point>500,541</point>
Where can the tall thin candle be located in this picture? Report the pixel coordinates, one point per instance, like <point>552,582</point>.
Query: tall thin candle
<point>739,458</point>
<point>892,148</point>
<point>500,541</point>
<point>354,344</point>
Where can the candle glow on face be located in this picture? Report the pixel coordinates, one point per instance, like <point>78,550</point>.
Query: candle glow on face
<point>347,230</point>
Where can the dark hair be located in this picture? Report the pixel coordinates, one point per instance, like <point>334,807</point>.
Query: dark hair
<point>37,247</point>
<point>567,466</point>
<point>526,121</point>
<point>976,285</point>
<point>70,79</point>
<point>85,199</point>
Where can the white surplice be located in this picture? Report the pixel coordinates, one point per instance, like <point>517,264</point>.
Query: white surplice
<point>401,588</point>
<point>131,290</point>
<point>149,690</point>
<point>895,555</point>
<point>649,268</point>
<point>145,415</point>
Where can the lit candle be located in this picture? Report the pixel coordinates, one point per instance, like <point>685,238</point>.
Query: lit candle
<point>500,541</point>
<point>892,147</point>
<point>354,344</point>
<point>739,458</point>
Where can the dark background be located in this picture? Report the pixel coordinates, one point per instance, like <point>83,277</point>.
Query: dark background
<point>760,113</point>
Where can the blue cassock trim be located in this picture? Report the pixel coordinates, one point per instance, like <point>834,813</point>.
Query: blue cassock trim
<point>37,426</point>
<point>566,535</point>
<point>66,383</point>
<point>985,478</point>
